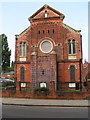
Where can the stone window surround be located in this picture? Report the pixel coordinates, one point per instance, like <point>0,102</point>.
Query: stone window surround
<point>22,49</point>
<point>49,42</point>
<point>72,73</point>
<point>71,42</point>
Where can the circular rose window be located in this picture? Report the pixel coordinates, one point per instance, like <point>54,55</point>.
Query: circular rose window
<point>46,46</point>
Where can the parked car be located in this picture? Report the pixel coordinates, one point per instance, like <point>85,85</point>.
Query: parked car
<point>7,83</point>
<point>6,80</point>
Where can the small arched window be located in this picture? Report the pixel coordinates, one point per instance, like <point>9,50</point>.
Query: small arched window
<point>53,30</point>
<point>39,32</point>
<point>72,73</point>
<point>46,14</point>
<point>22,72</point>
<point>43,31</point>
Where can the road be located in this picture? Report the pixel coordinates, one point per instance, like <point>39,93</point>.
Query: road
<point>13,111</point>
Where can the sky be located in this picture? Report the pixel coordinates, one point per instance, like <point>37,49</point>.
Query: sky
<point>14,19</point>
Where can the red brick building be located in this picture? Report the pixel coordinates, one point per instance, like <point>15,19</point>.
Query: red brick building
<point>85,71</point>
<point>48,50</point>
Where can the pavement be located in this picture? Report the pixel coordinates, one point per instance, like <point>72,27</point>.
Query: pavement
<point>45,102</point>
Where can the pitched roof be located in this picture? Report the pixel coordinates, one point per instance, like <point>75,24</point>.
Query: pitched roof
<point>23,32</point>
<point>70,28</point>
<point>45,7</point>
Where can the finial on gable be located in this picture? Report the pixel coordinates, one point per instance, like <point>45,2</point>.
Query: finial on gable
<point>45,5</point>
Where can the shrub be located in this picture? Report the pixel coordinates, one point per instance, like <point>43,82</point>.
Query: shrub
<point>9,78</point>
<point>41,89</point>
<point>70,91</point>
<point>26,90</point>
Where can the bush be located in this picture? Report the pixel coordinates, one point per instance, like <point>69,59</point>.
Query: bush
<point>9,78</point>
<point>26,90</point>
<point>41,89</point>
<point>70,90</point>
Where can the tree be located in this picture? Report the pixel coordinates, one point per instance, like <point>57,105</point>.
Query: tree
<point>6,53</point>
<point>12,64</point>
<point>11,68</point>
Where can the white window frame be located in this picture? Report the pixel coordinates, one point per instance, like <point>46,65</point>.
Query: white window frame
<point>72,52</point>
<point>23,49</point>
<point>46,41</point>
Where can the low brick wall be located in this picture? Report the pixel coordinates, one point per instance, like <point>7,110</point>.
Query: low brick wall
<point>42,95</point>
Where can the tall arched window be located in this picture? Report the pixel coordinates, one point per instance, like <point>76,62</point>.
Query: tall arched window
<point>22,72</point>
<point>72,73</point>
<point>71,46</point>
<point>20,49</point>
<point>74,46</point>
<point>23,48</point>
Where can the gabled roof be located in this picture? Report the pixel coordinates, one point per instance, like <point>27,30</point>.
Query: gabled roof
<point>45,7</point>
<point>70,28</point>
<point>23,32</point>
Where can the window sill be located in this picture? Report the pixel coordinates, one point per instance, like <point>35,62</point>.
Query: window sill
<point>72,56</point>
<point>22,58</point>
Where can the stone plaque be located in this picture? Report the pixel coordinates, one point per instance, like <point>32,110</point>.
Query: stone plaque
<point>23,84</point>
<point>72,85</point>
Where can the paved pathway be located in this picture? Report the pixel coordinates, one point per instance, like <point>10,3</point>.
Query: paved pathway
<point>45,102</point>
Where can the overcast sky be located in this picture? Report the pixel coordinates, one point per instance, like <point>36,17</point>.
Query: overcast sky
<point>14,19</point>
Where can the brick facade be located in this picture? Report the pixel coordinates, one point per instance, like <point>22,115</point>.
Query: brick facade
<point>46,25</point>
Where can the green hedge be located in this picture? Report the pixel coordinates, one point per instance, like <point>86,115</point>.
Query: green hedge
<point>41,89</point>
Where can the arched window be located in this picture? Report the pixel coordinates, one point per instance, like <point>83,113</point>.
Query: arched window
<point>43,31</point>
<point>72,73</point>
<point>71,46</point>
<point>39,32</point>
<point>74,46</point>
<point>22,71</point>
<point>53,30</point>
<point>23,48</point>
<point>46,14</point>
<point>48,31</point>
